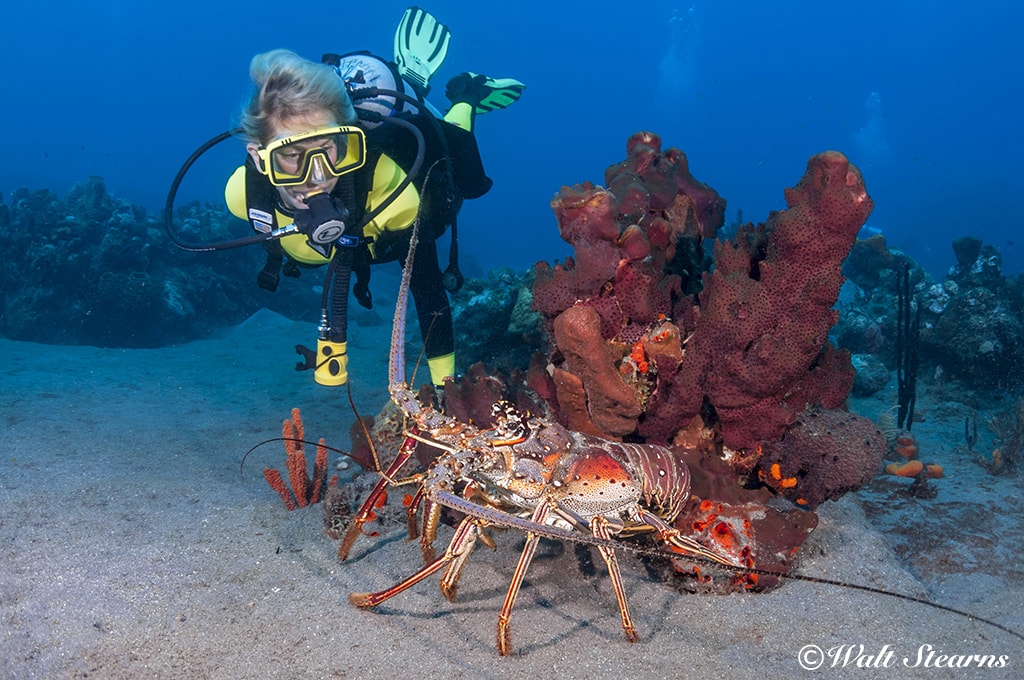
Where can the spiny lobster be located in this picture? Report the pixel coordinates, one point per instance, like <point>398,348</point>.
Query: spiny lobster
<point>535,475</point>
<point>524,472</point>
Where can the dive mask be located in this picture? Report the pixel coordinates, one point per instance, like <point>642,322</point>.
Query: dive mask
<point>315,156</point>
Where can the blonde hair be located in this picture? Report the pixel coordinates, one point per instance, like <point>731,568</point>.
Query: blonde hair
<point>289,86</point>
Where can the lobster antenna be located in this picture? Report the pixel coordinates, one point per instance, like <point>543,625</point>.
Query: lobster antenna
<point>396,374</point>
<point>241,465</point>
<point>423,349</point>
<point>366,435</point>
<point>396,369</point>
<point>419,357</point>
<point>503,518</point>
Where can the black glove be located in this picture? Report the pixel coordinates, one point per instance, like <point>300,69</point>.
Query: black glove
<point>484,93</point>
<point>467,87</point>
<point>361,291</point>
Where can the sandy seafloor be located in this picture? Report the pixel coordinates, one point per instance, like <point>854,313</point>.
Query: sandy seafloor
<point>131,547</point>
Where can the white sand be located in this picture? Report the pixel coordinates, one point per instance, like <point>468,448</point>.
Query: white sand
<point>131,548</point>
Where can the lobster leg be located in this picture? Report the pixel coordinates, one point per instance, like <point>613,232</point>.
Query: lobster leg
<point>431,511</point>
<point>678,543</point>
<point>599,526</point>
<point>366,510</point>
<point>529,550</point>
<point>431,519</point>
<point>450,581</point>
<point>464,538</point>
<point>412,511</point>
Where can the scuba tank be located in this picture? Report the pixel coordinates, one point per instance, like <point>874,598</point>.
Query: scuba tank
<point>363,69</point>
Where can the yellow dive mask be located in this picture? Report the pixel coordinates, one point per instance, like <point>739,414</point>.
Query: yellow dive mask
<point>316,155</point>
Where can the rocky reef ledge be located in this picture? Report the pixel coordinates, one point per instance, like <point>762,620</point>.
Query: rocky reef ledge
<point>91,269</point>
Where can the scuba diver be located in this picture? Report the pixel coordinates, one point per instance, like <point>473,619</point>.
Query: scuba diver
<point>342,158</point>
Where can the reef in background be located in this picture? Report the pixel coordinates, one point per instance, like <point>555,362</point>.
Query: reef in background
<point>92,269</point>
<point>971,323</point>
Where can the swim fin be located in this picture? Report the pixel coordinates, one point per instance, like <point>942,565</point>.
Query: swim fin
<point>484,93</point>
<point>421,44</point>
<point>503,92</point>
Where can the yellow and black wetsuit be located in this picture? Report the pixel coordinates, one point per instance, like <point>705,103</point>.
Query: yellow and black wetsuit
<point>386,238</point>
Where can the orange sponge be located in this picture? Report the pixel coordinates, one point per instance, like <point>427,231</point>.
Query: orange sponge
<point>906,447</point>
<point>912,468</point>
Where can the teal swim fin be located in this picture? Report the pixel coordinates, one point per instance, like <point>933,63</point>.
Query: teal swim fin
<point>482,92</point>
<point>503,92</point>
<point>421,44</point>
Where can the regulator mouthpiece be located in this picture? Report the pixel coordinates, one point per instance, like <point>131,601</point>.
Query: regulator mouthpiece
<point>325,222</point>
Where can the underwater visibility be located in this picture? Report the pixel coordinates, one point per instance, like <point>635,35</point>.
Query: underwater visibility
<point>696,347</point>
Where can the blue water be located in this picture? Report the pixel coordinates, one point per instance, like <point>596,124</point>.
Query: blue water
<point>156,531</point>
<point>749,90</point>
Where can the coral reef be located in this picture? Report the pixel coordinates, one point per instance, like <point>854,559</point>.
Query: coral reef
<point>825,453</point>
<point>872,374</point>
<point>493,320</point>
<point>729,363</point>
<point>756,346</point>
<point>1008,428</point>
<point>971,323</point>
<point>977,333</point>
<point>647,342</point>
<point>92,269</point>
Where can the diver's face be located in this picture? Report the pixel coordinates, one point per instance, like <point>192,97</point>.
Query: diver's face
<point>294,197</point>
